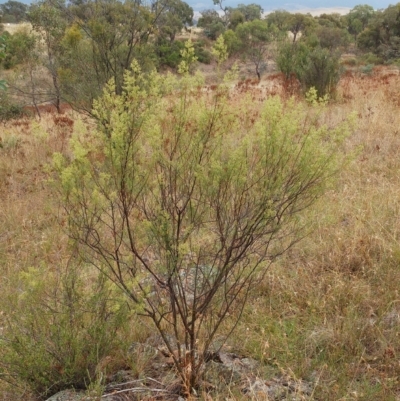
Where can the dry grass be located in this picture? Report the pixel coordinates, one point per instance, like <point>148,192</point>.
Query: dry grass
<point>329,311</point>
<point>13,28</point>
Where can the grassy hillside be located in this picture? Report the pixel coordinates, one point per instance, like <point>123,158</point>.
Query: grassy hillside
<point>328,312</point>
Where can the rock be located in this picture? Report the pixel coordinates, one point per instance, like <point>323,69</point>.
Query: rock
<point>219,374</point>
<point>250,363</point>
<point>237,363</point>
<point>278,389</point>
<point>391,319</point>
<point>68,395</point>
<point>72,395</point>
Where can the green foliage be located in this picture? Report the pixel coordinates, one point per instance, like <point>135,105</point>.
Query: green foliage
<point>358,18</point>
<point>58,329</point>
<point>371,58</point>
<point>256,37</point>
<point>169,54</point>
<point>13,11</point>
<point>232,42</point>
<point>213,30</point>
<point>235,18</point>
<point>333,20</point>
<point>321,71</point>
<point>220,50</point>
<point>280,19</point>
<point>300,23</point>
<point>183,199</point>
<point>313,67</point>
<point>251,11</point>
<point>208,17</point>
<point>10,143</point>
<point>367,69</point>
<point>49,24</point>
<point>9,110</point>
<point>203,55</point>
<point>291,57</point>
<point>382,34</point>
<point>212,23</point>
<point>17,49</point>
<point>188,58</point>
<point>175,15</point>
<point>332,38</point>
<point>243,13</point>
<point>105,36</point>
<point>3,45</point>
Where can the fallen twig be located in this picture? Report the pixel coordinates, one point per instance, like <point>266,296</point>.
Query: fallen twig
<point>136,390</point>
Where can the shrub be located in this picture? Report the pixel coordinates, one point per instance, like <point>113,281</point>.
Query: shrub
<point>10,142</point>
<point>312,66</point>
<point>170,53</point>
<point>183,199</point>
<point>19,45</point>
<point>321,71</point>
<point>371,58</point>
<point>8,109</point>
<point>58,330</point>
<point>213,30</point>
<point>367,69</point>
<point>350,62</point>
<point>203,55</point>
<point>289,58</point>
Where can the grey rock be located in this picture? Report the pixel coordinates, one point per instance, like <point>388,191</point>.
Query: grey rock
<point>68,395</point>
<point>278,389</point>
<point>219,373</point>
<point>391,319</point>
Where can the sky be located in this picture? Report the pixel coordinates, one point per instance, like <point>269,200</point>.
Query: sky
<point>313,6</point>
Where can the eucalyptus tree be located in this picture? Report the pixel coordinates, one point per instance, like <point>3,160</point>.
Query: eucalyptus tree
<point>175,15</point>
<point>49,24</point>
<point>279,18</point>
<point>358,18</point>
<point>13,11</point>
<point>256,38</point>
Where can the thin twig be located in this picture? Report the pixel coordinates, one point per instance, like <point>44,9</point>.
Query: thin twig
<point>124,384</point>
<point>136,390</point>
<point>155,381</point>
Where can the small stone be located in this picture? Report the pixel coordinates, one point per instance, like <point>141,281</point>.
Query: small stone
<point>67,395</point>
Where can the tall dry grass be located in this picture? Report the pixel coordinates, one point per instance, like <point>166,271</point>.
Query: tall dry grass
<point>30,233</point>
<point>329,310</point>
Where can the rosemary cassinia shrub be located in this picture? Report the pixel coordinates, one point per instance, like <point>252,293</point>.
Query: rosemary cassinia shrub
<point>183,198</point>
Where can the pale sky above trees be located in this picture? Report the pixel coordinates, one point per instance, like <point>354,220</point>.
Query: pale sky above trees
<point>293,5</point>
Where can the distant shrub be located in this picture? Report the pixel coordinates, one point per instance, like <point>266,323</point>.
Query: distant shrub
<point>213,30</point>
<point>18,47</point>
<point>367,69</point>
<point>370,58</point>
<point>321,71</point>
<point>313,67</point>
<point>203,55</point>
<point>170,53</point>
<point>9,110</point>
<point>396,62</point>
<point>351,62</point>
<point>10,142</point>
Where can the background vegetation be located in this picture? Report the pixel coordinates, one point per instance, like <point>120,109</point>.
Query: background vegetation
<point>325,312</point>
